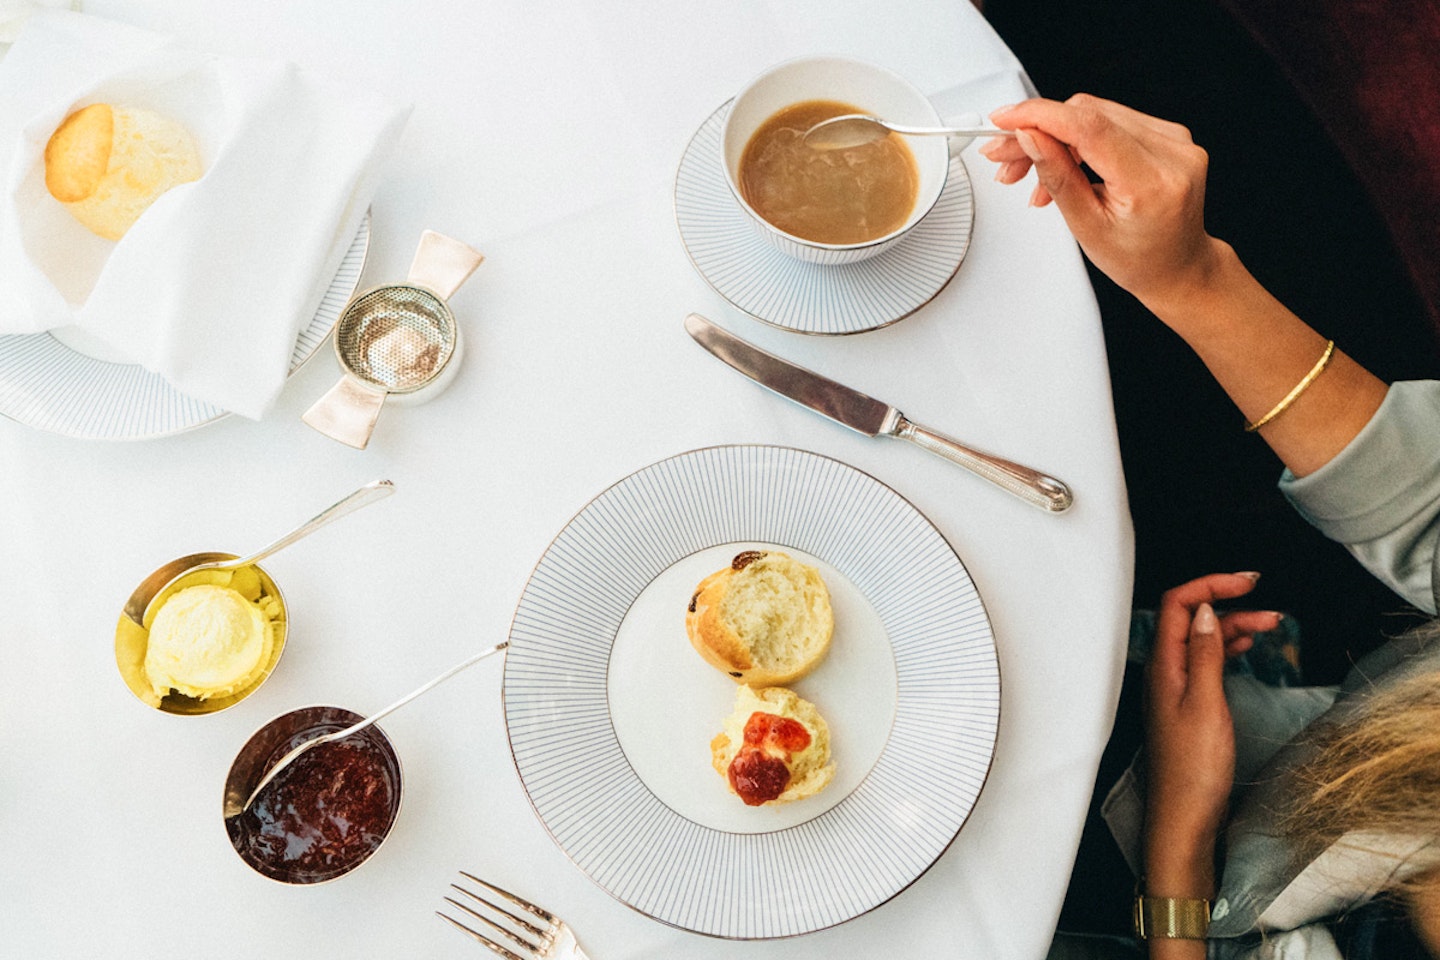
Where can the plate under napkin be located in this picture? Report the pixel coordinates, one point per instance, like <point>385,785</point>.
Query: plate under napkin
<point>211,286</point>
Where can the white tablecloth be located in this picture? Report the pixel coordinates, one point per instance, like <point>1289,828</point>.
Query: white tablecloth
<point>546,133</point>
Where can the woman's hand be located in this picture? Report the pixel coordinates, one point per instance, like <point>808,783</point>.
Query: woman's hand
<point>1190,741</point>
<point>1143,224</point>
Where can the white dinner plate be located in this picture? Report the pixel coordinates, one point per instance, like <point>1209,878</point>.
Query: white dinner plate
<point>610,711</point>
<point>742,267</point>
<point>46,384</point>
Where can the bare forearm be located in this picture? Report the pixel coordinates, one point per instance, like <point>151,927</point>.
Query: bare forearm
<point>1258,350</point>
<point>1178,864</point>
<point>1176,949</point>
<point>1190,761</point>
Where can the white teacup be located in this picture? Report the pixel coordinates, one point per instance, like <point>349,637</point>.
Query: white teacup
<point>871,89</point>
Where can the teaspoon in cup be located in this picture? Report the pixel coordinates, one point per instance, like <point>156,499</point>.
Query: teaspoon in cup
<point>857,129</point>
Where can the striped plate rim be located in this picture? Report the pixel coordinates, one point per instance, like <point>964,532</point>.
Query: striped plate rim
<point>46,385</point>
<point>859,853</point>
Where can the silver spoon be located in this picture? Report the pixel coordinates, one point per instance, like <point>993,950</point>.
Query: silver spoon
<point>155,585</point>
<point>231,810</point>
<point>858,129</point>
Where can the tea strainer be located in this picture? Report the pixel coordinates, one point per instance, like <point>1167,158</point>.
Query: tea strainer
<point>397,341</point>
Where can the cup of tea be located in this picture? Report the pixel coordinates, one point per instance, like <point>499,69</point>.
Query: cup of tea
<point>831,206</point>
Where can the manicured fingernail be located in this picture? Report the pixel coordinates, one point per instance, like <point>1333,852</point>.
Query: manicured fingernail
<point>1251,575</point>
<point>1039,197</point>
<point>1205,620</point>
<point>1027,143</point>
<point>1005,109</point>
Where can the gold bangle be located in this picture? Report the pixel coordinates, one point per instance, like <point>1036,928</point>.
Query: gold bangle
<point>1308,379</point>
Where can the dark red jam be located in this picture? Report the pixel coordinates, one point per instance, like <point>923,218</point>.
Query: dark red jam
<point>756,777</point>
<point>325,813</point>
<point>760,771</point>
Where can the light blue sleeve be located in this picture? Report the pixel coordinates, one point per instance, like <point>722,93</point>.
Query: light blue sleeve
<point>1380,496</point>
<point>1310,942</point>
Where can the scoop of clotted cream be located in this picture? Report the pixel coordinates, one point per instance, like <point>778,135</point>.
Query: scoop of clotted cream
<point>209,640</point>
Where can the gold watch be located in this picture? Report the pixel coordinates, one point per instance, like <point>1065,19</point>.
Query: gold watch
<point>1171,918</point>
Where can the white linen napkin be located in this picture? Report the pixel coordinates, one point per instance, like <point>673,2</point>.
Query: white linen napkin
<point>212,285</point>
<point>14,13</point>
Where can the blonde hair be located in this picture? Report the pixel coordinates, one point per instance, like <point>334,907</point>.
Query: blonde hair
<point>1379,773</point>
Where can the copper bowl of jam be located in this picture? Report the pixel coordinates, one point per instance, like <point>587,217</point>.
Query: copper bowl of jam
<point>324,815</point>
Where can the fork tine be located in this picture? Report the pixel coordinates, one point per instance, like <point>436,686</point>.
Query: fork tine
<point>521,922</point>
<point>520,902</point>
<point>508,934</point>
<point>507,954</point>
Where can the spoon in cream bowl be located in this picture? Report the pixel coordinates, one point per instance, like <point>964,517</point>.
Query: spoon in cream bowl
<point>154,587</point>
<point>857,129</point>
<point>204,631</point>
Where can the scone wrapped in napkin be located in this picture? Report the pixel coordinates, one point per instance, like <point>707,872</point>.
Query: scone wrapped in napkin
<point>212,284</point>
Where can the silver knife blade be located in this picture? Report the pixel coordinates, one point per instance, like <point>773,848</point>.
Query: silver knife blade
<point>840,403</point>
<point>865,414</point>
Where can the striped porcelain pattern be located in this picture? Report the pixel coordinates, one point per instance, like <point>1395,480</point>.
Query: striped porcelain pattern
<point>728,250</point>
<point>46,385</point>
<point>849,859</point>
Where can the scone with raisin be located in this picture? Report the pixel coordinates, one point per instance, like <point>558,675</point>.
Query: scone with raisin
<point>775,747</point>
<point>765,620</point>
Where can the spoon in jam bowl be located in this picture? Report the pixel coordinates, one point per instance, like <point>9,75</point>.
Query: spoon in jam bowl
<point>857,129</point>
<point>233,806</point>
<point>153,587</point>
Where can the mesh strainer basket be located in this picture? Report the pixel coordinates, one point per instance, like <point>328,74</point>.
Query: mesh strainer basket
<point>399,340</point>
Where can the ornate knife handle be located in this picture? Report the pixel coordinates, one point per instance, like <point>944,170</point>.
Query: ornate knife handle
<point>1029,485</point>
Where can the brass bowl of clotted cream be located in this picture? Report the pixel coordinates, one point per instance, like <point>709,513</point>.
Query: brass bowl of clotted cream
<point>208,640</point>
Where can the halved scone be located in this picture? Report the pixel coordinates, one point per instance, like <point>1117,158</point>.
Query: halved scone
<point>775,747</point>
<point>765,620</point>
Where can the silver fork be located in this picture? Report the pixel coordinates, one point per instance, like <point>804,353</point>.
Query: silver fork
<point>545,937</point>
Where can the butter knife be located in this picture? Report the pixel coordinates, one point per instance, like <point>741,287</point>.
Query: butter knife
<point>872,417</point>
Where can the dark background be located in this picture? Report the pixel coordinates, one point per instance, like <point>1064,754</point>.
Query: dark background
<point>1202,491</point>
<point>1203,494</point>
